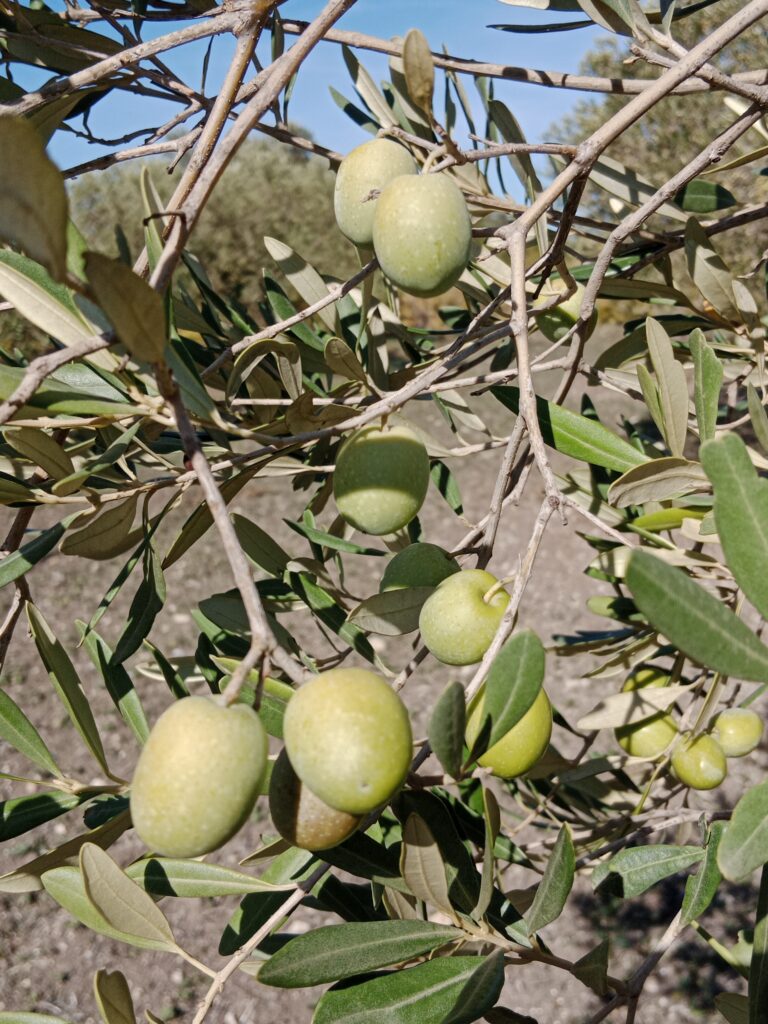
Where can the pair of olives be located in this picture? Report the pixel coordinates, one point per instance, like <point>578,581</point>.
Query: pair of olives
<point>347,751</point>
<point>418,225</point>
<point>699,762</point>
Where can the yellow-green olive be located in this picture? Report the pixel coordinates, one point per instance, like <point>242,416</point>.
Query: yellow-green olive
<point>699,763</point>
<point>458,621</point>
<point>370,166</point>
<point>520,748</point>
<point>738,731</point>
<point>302,818</point>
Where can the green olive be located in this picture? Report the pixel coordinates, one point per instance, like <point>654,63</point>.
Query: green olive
<point>555,322</point>
<point>418,565</point>
<point>198,776</point>
<point>699,763</point>
<point>648,738</point>
<point>519,749</point>
<point>457,623</point>
<point>651,736</point>
<point>738,731</point>
<point>381,478</point>
<point>348,737</point>
<point>422,233</point>
<point>300,817</point>
<point>370,166</point>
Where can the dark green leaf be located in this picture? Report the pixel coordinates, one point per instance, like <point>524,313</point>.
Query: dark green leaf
<point>119,684</point>
<point>16,729</point>
<point>344,950</point>
<point>643,866</point>
<point>162,876</point>
<point>744,847</point>
<point>18,562</point>
<point>696,622</point>
<point>113,997</point>
<point>700,888</point>
<point>513,684</point>
<point>446,728</point>
<point>556,884</point>
<point>24,813</point>
<point>574,435</point>
<point>135,310</point>
<point>592,968</point>
<point>427,992</point>
<point>708,378</point>
<point>704,196</point>
<point>327,540</point>
<point>421,864</point>
<point>146,603</point>
<point>741,514</point>
<point>66,682</point>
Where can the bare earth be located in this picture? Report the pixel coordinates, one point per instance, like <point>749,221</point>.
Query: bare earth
<point>47,961</point>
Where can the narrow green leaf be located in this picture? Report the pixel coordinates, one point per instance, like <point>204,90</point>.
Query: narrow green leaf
<point>113,997</point>
<point>446,728</point>
<point>325,607</point>
<point>22,814</point>
<point>672,385</point>
<point>147,602</point>
<point>703,196</point>
<point>696,622</point>
<point>581,438</point>
<point>105,535</point>
<point>741,514</point>
<point>641,867</point>
<point>33,203</point>
<point>328,540</point>
<point>744,847</point>
<point>20,1017</point>
<point>121,902</point>
<point>303,276</point>
<point>162,876</point>
<point>16,729</point>
<point>758,416</point>
<point>758,968</point>
<point>344,950</point>
<point>119,684</point>
<point>419,69</point>
<point>700,888</point>
<point>28,877</point>
<point>658,480</point>
<point>492,822</point>
<point>427,992</point>
<point>260,547</point>
<point>733,1007</point>
<point>41,300</point>
<point>421,864</point>
<point>513,683</point>
<point>480,992</point>
<point>40,448</point>
<point>556,884</point>
<point>709,273</point>
<point>707,381</point>
<point>66,682</point>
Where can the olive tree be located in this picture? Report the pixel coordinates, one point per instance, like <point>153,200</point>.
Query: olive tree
<point>449,853</point>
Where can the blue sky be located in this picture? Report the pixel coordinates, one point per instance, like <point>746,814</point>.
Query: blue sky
<point>458,24</point>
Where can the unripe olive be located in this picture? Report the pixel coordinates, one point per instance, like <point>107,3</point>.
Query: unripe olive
<point>348,737</point>
<point>738,731</point>
<point>302,818</point>
<point>519,749</point>
<point>651,736</point>
<point>381,478</point>
<point>457,623</point>
<point>648,738</point>
<point>700,763</point>
<point>418,565</point>
<point>198,776</point>
<point>422,233</point>
<point>370,166</point>
<point>554,323</point>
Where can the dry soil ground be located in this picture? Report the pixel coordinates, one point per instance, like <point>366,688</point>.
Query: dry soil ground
<point>48,961</point>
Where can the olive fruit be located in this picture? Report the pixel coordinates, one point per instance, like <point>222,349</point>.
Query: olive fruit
<point>520,748</point>
<point>370,166</point>
<point>738,731</point>
<point>699,762</point>
<point>555,322</point>
<point>418,565</point>
<point>651,736</point>
<point>457,623</point>
<point>648,738</point>
<point>348,737</point>
<point>198,776</point>
<point>422,233</point>
<point>381,478</point>
<point>301,817</point>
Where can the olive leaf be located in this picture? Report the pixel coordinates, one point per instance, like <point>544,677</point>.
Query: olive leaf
<point>135,310</point>
<point>33,201</point>
<point>113,997</point>
<point>419,69</point>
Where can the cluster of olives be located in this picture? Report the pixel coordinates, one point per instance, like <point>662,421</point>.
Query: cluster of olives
<point>347,751</point>
<point>699,761</point>
<point>417,224</point>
